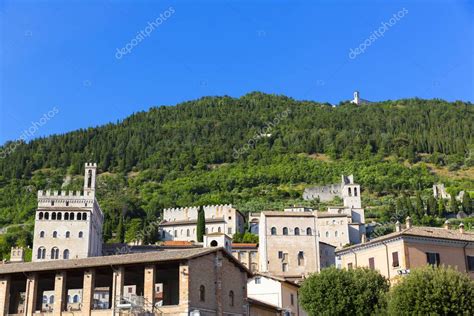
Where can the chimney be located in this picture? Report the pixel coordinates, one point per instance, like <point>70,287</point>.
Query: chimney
<point>363,238</point>
<point>461,228</point>
<point>398,226</point>
<point>446,224</point>
<point>408,222</point>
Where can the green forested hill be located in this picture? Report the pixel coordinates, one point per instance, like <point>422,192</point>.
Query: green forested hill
<point>258,151</point>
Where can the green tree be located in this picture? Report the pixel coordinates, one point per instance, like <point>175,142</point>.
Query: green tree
<point>431,206</point>
<point>453,205</point>
<point>419,208</point>
<point>334,291</point>
<point>467,206</point>
<point>134,230</point>
<point>120,230</point>
<point>201,225</point>
<point>433,291</point>
<point>441,208</point>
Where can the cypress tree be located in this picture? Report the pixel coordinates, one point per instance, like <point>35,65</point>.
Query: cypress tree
<point>120,230</point>
<point>419,205</point>
<point>441,208</point>
<point>467,203</point>
<point>201,225</point>
<point>453,207</point>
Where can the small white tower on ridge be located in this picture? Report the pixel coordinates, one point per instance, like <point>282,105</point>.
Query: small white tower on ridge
<point>89,179</point>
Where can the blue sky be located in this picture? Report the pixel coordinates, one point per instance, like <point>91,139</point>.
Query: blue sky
<point>62,54</point>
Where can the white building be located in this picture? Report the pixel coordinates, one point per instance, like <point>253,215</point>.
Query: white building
<point>181,223</point>
<point>357,100</point>
<point>69,225</point>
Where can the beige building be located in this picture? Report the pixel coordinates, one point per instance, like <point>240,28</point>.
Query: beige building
<point>275,291</point>
<point>192,281</point>
<point>247,254</point>
<point>396,253</point>
<point>180,223</point>
<point>288,243</point>
<point>69,225</point>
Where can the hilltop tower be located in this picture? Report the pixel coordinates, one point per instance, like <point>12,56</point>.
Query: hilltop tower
<point>69,225</point>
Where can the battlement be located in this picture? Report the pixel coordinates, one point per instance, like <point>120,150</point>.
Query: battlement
<point>48,193</point>
<point>205,207</point>
<point>90,164</point>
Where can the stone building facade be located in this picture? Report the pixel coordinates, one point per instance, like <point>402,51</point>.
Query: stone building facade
<point>180,223</point>
<point>69,225</point>
<point>193,281</point>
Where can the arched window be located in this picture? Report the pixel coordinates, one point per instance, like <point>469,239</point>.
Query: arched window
<point>308,231</point>
<point>66,254</point>
<point>355,191</point>
<point>297,231</point>
<point>78,216</point>
<point>335,233</point>
<point>350,191</point>
<point>68,234</point>
<point>54,253</point>
<point>285,230</point>
<point>45,299</point>
<point>84,216</point>
<point>327,234</point>
<point>202,293</point>
<point>55,234</point>
<point>218,229</point>
<point>60,216</point>
<point>231,298</point>
<point>40,215</point>
<point>187,233</point>
<point>75,299</point>
<point>41,253</point>
<point>175,233</point>
<point>42,234</point>
<point>46,215</point>
<point>71,216</point>
<point>53,216</point>
<point>51,299</point>
<point>89,179</point>
<point>66,216</point>
<point>274,231</point>
<point>213,243</point>
<point>81,234</point>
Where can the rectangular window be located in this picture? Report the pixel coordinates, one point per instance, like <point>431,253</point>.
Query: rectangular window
<point>372,263</point>
<point>470,263</point>
<point>284,267</point>
<point>292,299</point>
<point>258,280</point>
<point>301,258</point>
<point>280,254</point>
<point>432,258</point>
<point>229,230</point>
<point>395,262</point>
<point>349,266</point>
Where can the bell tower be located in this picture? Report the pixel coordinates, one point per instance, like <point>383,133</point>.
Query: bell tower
<point>90,171</point>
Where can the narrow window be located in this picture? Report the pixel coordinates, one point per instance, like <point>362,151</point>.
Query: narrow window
<point>75,299</point>
<point>470,263</point>
<point>54,253</point>
<point>372,263</point>
<point>273,231</point>
<point>432,258</point>
<point>350,191</point>
<point>231,298</point>
<point>284,267</point>
<point>60,216</point>
<point>285,230</point>
<point>219,230</point>
<point>202,293</point>
<point>68,234</point>
<point>51,299</point>
<point>84,216</point>
<point>395,262</point>
<point>52,203</point>
<point>335,233</point>
<point>71,216</point>
<point>66,254</point>
<point>55,234</point>
<point>258,280</point>
<point>308,231</point>
<point>355,191</point>
<point>292,299</point>
<point>66,216</point>
<point>297,231</point>
<point>78,218</point>
<point>42,234</point>
<point>280,254</point>
<point>53,216</point>
<point>187,233</point>
<point>301,258</point>
<point>67,203</point>
<point>40,215</point>
<point>46,215</point>
<point>81,234</point>
<point>327,234</point>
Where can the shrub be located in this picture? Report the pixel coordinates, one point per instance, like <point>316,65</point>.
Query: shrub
<point>433,291</point>
<point>333,291</point>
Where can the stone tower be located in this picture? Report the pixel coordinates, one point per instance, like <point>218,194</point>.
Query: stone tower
<point>350,192</point>
<point>68,225</point>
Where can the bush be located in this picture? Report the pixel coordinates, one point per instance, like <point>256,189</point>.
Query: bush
<point>433,291</point>
<point>333,291</point>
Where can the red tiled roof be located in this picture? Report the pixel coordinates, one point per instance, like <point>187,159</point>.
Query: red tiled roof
<point>176,243</point>
<point>244,245</point>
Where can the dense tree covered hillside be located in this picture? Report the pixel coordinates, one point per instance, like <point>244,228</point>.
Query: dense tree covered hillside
<point>258,151</point>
